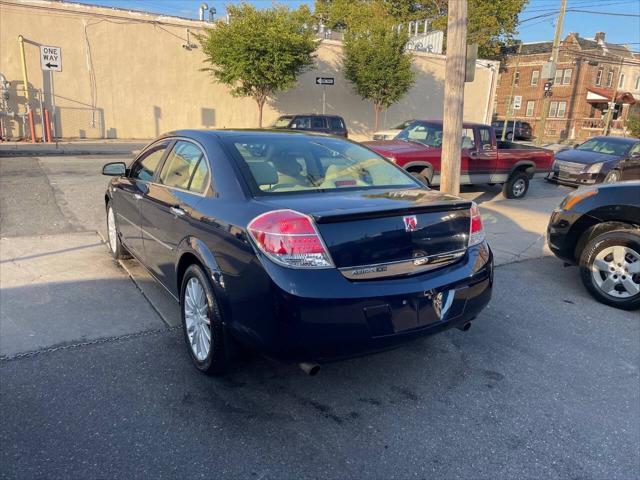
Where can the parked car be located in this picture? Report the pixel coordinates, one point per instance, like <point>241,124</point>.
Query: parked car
<point>516,130</point>
<point>391,133</point>
<point>598,228</point>
<point>331,124</point>
<point>301,247</point>
<point>599,159</point>
<point>417,148</point>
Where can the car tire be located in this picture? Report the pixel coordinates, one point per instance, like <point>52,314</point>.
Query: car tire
<point>612,177</point>
<point>517,185</point>
<point>116,247</point>
<point>610,263</point>
<point>204,332</point>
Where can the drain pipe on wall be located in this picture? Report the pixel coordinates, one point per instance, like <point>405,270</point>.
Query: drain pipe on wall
<point>25,81</point>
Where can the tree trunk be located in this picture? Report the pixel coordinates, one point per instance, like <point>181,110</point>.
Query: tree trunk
<point>260,106</point>
<point>376,110</point>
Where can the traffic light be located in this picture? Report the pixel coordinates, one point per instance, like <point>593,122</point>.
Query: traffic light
<point>547,89</point>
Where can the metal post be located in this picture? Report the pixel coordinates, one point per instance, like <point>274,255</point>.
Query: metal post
<point>454,96</point>
<point>607,122</point>
<point>511,91</point>
<point>554,60</point>
<point>324,97</point>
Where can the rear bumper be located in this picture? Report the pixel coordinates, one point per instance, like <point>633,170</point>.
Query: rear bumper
<point>321,316</point>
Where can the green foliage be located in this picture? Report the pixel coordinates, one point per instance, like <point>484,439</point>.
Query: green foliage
<point>375,61</point>
<point>633,123</point>
<point>491,22</point>
<point>260,52</point>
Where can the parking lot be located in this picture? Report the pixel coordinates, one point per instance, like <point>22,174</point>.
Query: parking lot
<point>96,381</point>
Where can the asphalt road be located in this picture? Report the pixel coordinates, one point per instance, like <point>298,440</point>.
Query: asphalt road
<point>546,383</point>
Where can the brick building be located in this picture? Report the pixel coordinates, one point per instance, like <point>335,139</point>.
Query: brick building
<point>589,73</point>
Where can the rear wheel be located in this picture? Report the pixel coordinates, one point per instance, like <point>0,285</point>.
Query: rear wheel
<point>517,185</point>
<point>612,177</point>
<point>610,268</point>
<point>113,236</point>
<point>204,332</point>
<point>420,175</point>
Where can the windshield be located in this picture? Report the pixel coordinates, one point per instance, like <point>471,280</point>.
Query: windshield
<point>282,122</point>
<point>274,164</point>
<point>608,146</point>
<point>498,123</point>
<point>425,133</point>
<point>403,125</point>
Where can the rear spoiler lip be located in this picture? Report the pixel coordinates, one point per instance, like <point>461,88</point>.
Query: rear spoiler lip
<point>321,218</point>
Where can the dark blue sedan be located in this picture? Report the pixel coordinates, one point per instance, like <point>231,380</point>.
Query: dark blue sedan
<point>303,247</point>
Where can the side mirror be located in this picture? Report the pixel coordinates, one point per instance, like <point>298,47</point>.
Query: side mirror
<point>293,126</point>
<point>576,145</point>
<point>487,147</point>
<point>115,169</point>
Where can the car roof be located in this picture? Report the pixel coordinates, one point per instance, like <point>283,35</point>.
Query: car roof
<point>618,139</point>
<point>464,125</point>
<point>203,135</point>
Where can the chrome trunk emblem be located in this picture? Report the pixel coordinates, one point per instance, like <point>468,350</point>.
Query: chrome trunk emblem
<point>410,223</point>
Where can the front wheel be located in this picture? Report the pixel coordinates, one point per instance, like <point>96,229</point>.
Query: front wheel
<point>612,177</point>
<point>517,185</point>
<point>202,325</point>
<point>115,244</point>
<point>610,268</point>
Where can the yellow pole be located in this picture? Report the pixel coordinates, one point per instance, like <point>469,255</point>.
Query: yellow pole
<point>23,59</point>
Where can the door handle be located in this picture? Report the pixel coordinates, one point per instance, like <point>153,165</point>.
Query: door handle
<point>137,196</point>
<point>177,211</point>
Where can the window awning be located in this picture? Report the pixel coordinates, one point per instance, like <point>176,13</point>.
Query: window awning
<point>603,95</point>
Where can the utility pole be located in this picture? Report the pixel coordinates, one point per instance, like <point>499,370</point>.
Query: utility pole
<point>554,61</point>
<point>612,104</point>
<point>454,96</point>
<point>511,91</point>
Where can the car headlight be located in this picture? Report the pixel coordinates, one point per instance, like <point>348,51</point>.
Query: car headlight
<point>577,196</point>
<point>594,168</point>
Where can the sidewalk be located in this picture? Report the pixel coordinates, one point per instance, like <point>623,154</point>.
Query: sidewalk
<point>75,147</point>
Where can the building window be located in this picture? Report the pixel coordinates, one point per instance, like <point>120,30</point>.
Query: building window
<point>566,77</point>
<point>562,108</point>
<point>516,78</point>
<point>621,81</point>
<point>599,77</point>
<point>553,109</point>
<point>531,105</point>
<point>517,102</point>
<point>610,78</point>
<point>558,79</point>
<point>535,76</point>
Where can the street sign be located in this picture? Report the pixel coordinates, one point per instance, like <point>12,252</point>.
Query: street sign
<point>51,58</point>
<point>325,81</point>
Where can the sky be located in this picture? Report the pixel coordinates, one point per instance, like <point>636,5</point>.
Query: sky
<point>612,16</point>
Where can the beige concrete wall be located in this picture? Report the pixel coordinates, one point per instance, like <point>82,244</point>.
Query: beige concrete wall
<point>127,75</point>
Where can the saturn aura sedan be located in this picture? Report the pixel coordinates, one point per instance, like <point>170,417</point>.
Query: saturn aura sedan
<point>303,247</point>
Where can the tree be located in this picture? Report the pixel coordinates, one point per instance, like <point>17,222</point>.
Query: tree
<point>260,52</point>
<point>375,61</point>
<point>491,22</point>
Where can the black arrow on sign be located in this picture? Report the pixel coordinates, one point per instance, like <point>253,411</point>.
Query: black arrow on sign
<point>49,65</point>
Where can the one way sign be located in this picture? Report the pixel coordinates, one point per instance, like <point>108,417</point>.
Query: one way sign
<point>51,58</point>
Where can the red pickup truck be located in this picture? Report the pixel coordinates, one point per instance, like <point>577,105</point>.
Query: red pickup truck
<point>417,148</point>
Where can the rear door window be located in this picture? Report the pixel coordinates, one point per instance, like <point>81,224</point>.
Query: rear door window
<point>185,167</point>
<point>303,123</point>
<point>335,123</point>
<point>317,123</point>
<point>467,138</point>
<point>146,164</point>
<point>485,137</point>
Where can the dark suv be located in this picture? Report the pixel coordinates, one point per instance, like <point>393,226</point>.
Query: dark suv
<point>332,124</point>
<point>515,130</point>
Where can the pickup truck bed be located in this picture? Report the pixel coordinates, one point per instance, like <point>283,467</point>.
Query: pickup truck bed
<point>484,159</point>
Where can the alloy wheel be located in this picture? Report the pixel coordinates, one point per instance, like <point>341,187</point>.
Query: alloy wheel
<point>616,271</point>
<point>196,315</point>
<point>113,234</point>
<point>519,187</point>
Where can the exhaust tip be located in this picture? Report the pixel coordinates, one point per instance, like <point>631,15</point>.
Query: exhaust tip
<point>465,327</point>
<point>310,368</point>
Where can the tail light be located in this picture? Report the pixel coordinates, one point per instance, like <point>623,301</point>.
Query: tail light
<point>476,232</point>
<point>289,238</point>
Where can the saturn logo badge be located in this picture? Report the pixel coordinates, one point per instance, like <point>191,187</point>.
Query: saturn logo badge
<point>410,223</point>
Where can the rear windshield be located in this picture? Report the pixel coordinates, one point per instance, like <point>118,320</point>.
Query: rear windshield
<point>275,164</point>
<point>607,146</point>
